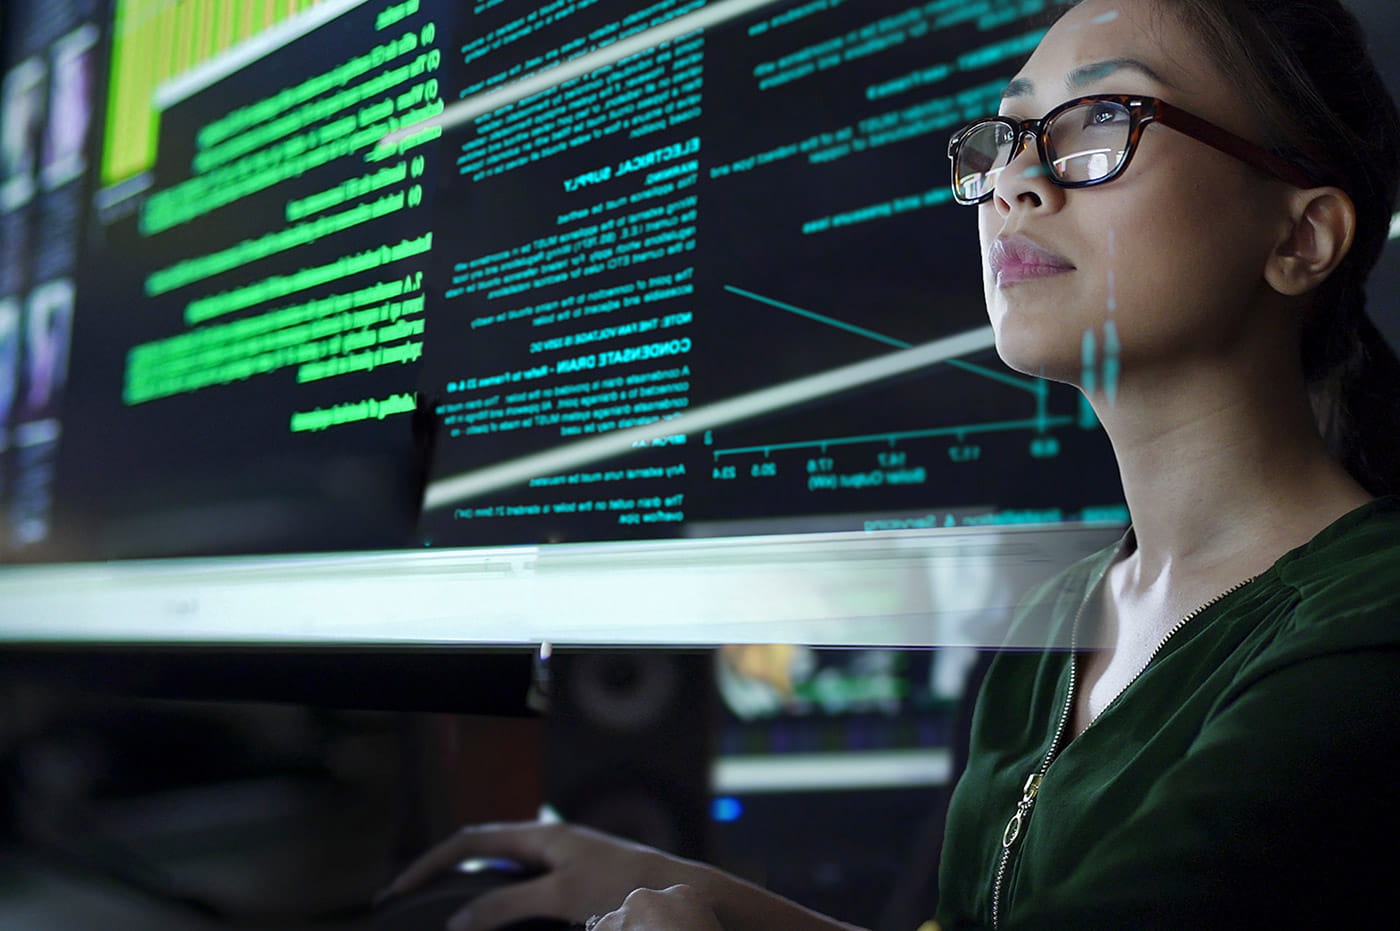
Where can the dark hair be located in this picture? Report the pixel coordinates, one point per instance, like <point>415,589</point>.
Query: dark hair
<point>1305,66</point>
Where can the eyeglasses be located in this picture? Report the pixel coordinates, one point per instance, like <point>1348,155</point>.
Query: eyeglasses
<point>1088,141</point>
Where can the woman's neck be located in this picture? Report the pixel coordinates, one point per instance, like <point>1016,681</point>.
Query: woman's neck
<point>1222,473</point>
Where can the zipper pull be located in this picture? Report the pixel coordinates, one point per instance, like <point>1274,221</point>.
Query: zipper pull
<point>1023,810</point>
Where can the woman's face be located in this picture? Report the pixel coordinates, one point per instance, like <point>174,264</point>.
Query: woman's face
<point>1156,272</point>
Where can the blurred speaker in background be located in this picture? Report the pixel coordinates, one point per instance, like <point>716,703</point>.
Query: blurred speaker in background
<point>629,745</point>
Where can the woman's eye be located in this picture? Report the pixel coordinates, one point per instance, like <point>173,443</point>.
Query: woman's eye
<point>1103,115</point>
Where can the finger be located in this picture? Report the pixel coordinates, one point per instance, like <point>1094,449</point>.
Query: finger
<point>524,841</point>
<point>612,921</point>
<point>670,909</point>
<point>641,909</point>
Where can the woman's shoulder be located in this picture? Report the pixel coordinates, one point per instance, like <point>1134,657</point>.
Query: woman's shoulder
<point>1345,585</point>
<point>1352,564</point>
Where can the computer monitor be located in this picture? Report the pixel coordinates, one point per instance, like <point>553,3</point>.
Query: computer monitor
<point>422,322</point>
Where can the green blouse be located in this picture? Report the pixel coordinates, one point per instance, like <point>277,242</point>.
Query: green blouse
<point>1249,778</point>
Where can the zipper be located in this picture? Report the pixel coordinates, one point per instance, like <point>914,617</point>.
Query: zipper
<point>1016,827</point>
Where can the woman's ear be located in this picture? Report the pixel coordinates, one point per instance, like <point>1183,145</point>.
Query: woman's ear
<point>1323,225</point>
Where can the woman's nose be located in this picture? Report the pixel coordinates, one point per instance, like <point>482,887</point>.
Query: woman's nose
<point>1024,182</point>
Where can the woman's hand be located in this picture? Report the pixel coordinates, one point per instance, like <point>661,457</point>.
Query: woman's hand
<point>585,872</point>
<point>679,908</point>
<point>589,873</point>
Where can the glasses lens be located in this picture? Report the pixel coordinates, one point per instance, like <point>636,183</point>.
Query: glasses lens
<point>1089,142</point>
<point>984,152</point>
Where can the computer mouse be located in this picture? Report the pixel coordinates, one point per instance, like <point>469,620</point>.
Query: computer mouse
<point>428,907</point>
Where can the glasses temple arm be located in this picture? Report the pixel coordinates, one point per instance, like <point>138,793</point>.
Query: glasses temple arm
<point>1231,144</point>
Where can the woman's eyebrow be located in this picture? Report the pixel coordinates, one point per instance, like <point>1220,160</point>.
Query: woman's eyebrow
<point>1020,87</point>
<point>1088,74</point>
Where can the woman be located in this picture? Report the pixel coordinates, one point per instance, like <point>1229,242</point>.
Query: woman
<point>1187,242</point>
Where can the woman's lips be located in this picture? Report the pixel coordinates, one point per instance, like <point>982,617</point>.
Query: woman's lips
<point>1013,259</point>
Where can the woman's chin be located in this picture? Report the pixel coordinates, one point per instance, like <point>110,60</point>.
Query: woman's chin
<point>1032,351</point>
